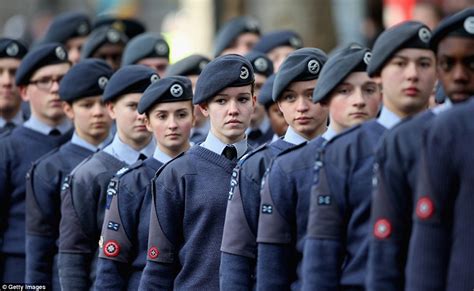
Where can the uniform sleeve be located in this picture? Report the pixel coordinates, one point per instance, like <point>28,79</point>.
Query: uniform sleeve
<point>5,178</point>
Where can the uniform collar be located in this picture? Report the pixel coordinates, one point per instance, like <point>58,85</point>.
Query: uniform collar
<point>443,107</point>
<point>275,138</point>
<point>214,144</point>
<point>17,119</point>
<point>161,156</point>
<point>79,141</point>
<point>126,153</point>
<point>41,127</point>
<point>387,118</point>
<point>292,137</point>
<point>329,134</point>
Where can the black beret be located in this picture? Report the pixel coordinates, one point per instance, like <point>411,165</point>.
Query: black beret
<point>12,48</point>
<point>225,71</point>
<point>338,67</point>
<point>130,27</point>
<point>231,30</point>
<point>275,39</point>
<point>40,56</point>
<point>260,62</point>
<point>93,75</point>
<point>169,89</point>
<point>301,65</point>
<point>129,79</point>
<point>145,45</point>
<point>408,34</point>
<point>99,37</point>
<point>459,24</point>
<point>265,95</point>
<point>66,26</point>
<point>192,65</point>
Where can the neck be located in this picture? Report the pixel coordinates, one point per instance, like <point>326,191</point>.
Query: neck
<point>228,140</point>
<point>173,152</point>
<point>93,140</point>
<point>319,130</point>
<point>404,112</point>
<point>49,121</point>
<point>9,113</point>
<point>137,145</point>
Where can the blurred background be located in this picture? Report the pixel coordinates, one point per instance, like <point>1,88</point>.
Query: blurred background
<point>190,25</point>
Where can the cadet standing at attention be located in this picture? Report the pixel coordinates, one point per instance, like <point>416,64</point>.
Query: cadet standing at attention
<point>292,91</point>
<point>38,80</point>
<point>84,192</point>
<point>397,159</point>
<point>336,246</point>
<point>351,97</point>
<point>190,192</point>
<point>83,105</point>
<point>168,107</point>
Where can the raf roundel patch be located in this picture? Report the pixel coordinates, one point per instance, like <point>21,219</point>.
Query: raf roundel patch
<point>244,73</point>
<point>83,29</point>
<point>113,36</point>
<point>12,50</point>
<point>382,229</point>
<point>367,57</point>
<point>469,24</point>
<point>261,64</point>
<point>313,67</point>
<point>153,253</point>
<point>60,53</point>
<point>424,34</point>
<point>102,82</point>
<point>295,42</point>
<point>154,78</point>
<point>161,48</point>
<point>111,248</point>
<point>176,90</point>
<point>424,208</point>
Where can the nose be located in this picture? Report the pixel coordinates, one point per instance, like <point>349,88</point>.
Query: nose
<point>411,71</point>
<point>358,98</point>
<point>233,108</point>
<point>460,74</point>
<point>6,78</point>
<point>172,124</point>
<point>302,104</point>
<point>54,86</point>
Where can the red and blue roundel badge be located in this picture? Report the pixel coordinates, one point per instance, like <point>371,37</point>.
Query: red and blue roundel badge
<point>382,229</point>
<point>111,248</point>
<point>153,253</point>
<point>424,208</point>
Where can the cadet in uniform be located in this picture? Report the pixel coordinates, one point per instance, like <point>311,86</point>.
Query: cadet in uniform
<point>190,192</point>
<point>336,246</point>
<point>11,115</point>
<point>397,160</point>
<point>84,194</point>
<point>292,86</point>
<point>169,115</point>
<point>275,116</point>
<point>237,36</point>
<point>71,29</point>
<point>92,123</point>
<point>351,97</point>
<point>440,255</point>
<point>277,45</point>
<point>38,79</point>
<point>147,49</point>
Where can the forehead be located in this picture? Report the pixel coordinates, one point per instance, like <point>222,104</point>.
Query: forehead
<point>110,48</point>
<point>302,85</point>
<point>76,41</point>
<point>89,99</point>
<point>234,91</point>
<point>130,97</point>
<point>456,45</point>
<point>357,78</point>
<point>413,53</point>
<point>9,63</point>
<point>51,70</point>
<point>172,106</point>
<point>247,37</point>
<point>153,61</point>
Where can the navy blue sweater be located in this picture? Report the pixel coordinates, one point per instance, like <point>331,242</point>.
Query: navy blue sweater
<point>43,202</point>
<point>336,247</point>
<point>127,223</point>
<point>441,255</point>
<point>239,243</point>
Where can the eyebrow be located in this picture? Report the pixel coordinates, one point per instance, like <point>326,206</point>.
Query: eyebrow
<point>409,58</point>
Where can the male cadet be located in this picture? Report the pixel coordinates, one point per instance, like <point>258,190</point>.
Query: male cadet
<point>351,97</point>
<point>168,107</point>
<point>83,105</point>
<point>277,45</point>
<point>84,192</point>
<point>440,254</point>
<point>191,67</point>
<point>38,79</point>
<point>237,36</point>
<point>11,115</point>
<point>397,159</point>
<point>292,87</point>
<point>190,192</point>
<point>259,131</point>
<point>275,116</point>
<point>147,49</point>
<point>336,246</point>
<point>70,29</point>
<point>106,43</point>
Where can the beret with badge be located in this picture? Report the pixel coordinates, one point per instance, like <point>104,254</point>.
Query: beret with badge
<point>93,75</point>
<point>301,65</point>
<point>278,38</point>
<point>231,30</point>
<point>99,37</point>
<point>131,27</point>
<point>191,65</point>
<point>169,89</point>
<point>66,26</point>
<point>129,79</point>
<point>222,72</point>
<point>12,48</point>
<point>260,62</point>
<point>408,34</point>
<point>40,56</point>
<point>460,24</point>
<point>265,95</point>
<point>145,45</point>
<point>338,67</point>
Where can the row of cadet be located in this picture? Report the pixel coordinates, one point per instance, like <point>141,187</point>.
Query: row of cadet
<point>359,191</point>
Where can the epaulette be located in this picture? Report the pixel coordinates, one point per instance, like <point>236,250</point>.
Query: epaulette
<point>343,134</point>
<point>253,152</point>
<point>292,148</point>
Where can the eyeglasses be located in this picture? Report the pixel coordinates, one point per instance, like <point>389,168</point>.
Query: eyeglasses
<point>46,83</point>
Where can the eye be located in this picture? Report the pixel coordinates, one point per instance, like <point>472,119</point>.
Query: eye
<point>445,64</point>
<point>161,116</point>
<point>220,101</point>
<point>183,115</point>
<point>132,106</point>
<point>369,90</point>
<point>425,64</point>
<point>243,99</point>
<point>289,97</point>
<point>343,91</point>
<point>87,105</point>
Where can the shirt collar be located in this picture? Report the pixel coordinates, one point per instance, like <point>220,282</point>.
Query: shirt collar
<point>79,141</point>
<point>442,107</point>
<point>41,127</point>
<point>329,134</point>
<point>214,144</point>
<point>274,138</point>
<point>161,156</point>
<point>126,153</point>
<point>292,137</point>
<point>17,119</point>
<point>387,118</point>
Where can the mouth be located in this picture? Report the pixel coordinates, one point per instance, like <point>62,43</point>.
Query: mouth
<point>233,122</point>
<point>173,135</point>
<point>55,103</point>
<point>411,91</point>
<point>303,120</point>
<point>140,127</point>
<point>358,114</point>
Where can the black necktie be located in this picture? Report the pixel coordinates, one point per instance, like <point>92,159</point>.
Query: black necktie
<point>141,157</point>
<point>254,134</point>
<point>54,132</point>
<point>230,152</point>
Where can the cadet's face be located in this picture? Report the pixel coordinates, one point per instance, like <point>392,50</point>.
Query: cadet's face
<point>243,44</point>
<point>304,116</point>
<point>91,120</point>
<point>111,53</point>
<point>407,81</point>
<point>74,46</point>
<point>354,101</point>
<point>157,64</point>
<point>456,67</point>
<point>171,123</point>
<point>45,103</point>
<point>259,112</point>
<point>10,99</point>
<point>278,55</point>
<point>229,113</point>
<point>277,120</point>
<point>130,125</point>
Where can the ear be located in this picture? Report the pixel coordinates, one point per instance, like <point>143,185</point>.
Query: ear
<point>204,107</point>
<point>254,100</point>
<point>148,124</point>
<point>111,109</point>
<point>24,93</point>
<point>68,110</point>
